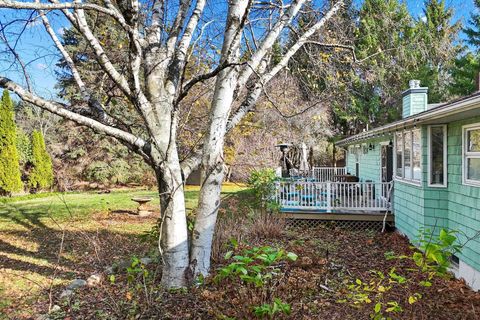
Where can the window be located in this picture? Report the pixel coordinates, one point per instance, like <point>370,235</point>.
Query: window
<point>399,152</point>
<point>471,155</point>
<point>416,155</point>
<point>408,155</point>
<point>437,156</point>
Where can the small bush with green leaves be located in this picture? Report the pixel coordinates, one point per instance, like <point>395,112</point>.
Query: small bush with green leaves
<point>435,252</point>
<point>254,266</point>
<point>262,182</point>
<point>269,310</point>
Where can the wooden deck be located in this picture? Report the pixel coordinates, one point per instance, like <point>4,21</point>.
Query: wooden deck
<point>338,216</point>
<point>355,205</point>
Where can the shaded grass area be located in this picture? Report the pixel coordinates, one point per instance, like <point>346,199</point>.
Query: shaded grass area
<point>49,239</point>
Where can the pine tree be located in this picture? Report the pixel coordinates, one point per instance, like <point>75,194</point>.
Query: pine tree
<point>464,74</point>
<point>473,32</point>
<point>467,66</point>
<point>437,58</point>
<point>10,179</point>
<point>41,176</point>
<point>385,39</point>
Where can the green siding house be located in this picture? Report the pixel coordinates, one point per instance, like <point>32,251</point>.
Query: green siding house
<point>433,156</point>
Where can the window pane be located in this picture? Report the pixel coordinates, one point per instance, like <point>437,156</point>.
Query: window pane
<point>399,150</point>
<point>473,140</point>
<point>417,155</point>
<point>436,156</point>
<point>473,169</point>
<point>407,148</point>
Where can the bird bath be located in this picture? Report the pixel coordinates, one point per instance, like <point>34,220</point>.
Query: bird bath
<point>142,209</point>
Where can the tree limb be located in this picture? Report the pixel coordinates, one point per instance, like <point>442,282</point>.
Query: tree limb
<point>135,142</point>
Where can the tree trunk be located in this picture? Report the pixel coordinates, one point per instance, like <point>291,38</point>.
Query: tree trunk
<point>212,159</point>
<point>173,242</point>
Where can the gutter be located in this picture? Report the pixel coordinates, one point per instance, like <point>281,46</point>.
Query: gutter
<point>449,108</point>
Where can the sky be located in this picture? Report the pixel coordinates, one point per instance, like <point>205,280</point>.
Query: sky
<point>36,43</point>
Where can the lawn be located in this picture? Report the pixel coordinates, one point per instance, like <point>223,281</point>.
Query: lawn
<point>48,239</point>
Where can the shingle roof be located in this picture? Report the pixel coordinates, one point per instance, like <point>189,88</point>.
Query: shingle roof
<point>455,106</point>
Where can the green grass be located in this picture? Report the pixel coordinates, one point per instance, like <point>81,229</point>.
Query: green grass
<point>42,208</point>
<point>32,226</point>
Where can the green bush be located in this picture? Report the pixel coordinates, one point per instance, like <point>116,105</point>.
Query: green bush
<point>98,171</point>
<point>41,176</point>
<point>116,172</point>
<point>254,266</point>
<point>10,177</point>
<point>262,182</point>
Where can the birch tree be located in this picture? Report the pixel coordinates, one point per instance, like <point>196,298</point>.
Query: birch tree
<point>161,36</point>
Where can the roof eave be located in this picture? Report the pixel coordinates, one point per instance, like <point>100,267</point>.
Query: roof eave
<point>465,104</point>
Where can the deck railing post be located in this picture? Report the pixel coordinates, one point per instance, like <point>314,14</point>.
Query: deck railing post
<point>329,197</point>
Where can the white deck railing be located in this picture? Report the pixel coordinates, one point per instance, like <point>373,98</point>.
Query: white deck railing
<point>322,174</point>
<point>334,196</point>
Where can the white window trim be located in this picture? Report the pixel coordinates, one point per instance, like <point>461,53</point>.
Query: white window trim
<point>402,179</point>
<point>465,129</point>
<point>445,155</point>
<point>395,177</point>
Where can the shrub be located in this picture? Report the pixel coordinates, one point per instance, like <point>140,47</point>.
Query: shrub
<point>267,226</point>
<point>254,266</point>
<point>10,177</point>
<point>116,172</point>
<point>262,182</point>
<point>435,252</point>
<point>41,176</point>
<point>98,171</point>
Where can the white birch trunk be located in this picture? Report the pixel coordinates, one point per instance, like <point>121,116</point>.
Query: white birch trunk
<point>173,242</point>
<point>212,161</point>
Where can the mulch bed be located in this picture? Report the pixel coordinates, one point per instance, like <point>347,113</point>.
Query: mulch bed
<point>314,285</point>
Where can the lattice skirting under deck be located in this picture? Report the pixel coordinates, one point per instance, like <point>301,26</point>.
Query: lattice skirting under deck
<point>344,224</point>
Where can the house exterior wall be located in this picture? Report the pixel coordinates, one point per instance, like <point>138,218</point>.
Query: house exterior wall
<point>370,162</point>
<point>463,200</point>
<point>408,208</point>
<point>416,207</point>
<point>420,206</point>
<point>456,207</point>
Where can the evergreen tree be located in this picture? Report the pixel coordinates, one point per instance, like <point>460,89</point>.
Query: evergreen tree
<point>473,32</point>
<point>387,44</point>
<point>437,58</point>
<point>10,180</point>
<point>24,148</point>
<point>464,74</point>
<point>467,67</point>
<point>41,176</point>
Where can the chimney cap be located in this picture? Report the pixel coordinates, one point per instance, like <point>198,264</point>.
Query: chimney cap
<point>414,84</point>
<point>414,88</point>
